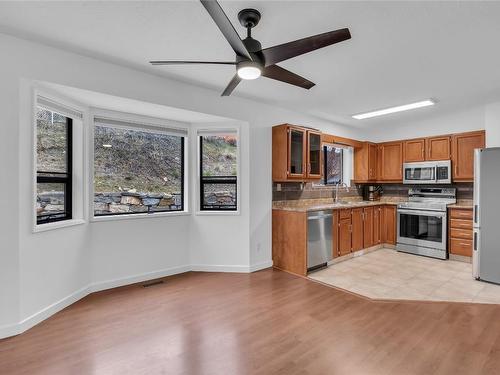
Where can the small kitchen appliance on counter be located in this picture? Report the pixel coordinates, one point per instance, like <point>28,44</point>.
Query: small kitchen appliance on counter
<point>422,222</point>
<point>372,192</point>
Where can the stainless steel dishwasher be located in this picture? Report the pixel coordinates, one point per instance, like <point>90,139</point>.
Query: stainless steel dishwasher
<point>319,239</point>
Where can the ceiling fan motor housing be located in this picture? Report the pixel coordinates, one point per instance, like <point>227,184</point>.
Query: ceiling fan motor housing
<point>249,17</point>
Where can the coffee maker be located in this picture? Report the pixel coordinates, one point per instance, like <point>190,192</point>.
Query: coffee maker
<point>372,192</point>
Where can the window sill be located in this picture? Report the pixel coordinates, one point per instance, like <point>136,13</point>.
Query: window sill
<point>97,219</point>
<point>218,213</point>
<point>57,225</point>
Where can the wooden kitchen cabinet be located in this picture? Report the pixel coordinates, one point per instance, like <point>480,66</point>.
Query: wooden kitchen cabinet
<point>462,154</point>
<point>391,161</point>
<point>365,162</point>
<point>388,224</point>
<point>438,148</point>
<point>313,155</point>
<point>377,217</point>
<point>344,232</point>
<point>357,228</point>
<point>460,231</point>
<point>289,241</point>
<point>368,227</point>
<point>414,150</point>
<point>296,153</point>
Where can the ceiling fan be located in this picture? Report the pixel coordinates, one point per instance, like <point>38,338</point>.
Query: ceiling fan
<point>251,60</point>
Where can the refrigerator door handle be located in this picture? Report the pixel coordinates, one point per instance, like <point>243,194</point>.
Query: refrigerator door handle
<point>475,214</point>
<point>475,241</point>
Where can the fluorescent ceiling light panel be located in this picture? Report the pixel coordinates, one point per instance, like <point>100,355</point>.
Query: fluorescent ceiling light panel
<point>400,108</point>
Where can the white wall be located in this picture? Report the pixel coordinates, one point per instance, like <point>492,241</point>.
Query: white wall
<point>492,125</point>
<point>38,270</point>
<point>462,121</point>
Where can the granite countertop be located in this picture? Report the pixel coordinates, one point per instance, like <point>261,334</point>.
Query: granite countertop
<point>304,205</point>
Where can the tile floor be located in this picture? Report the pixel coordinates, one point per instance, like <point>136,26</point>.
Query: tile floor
<point>388,274</point>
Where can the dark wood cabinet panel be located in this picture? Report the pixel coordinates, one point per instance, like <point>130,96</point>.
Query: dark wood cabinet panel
<point>357,228</point>
<point>389,225</point>
<point>344,242</point>
<point>391,161</point>
<point>377,216</point>
<point>414,150</point>
<point>365,162</point>
<point>462,156</point>
<point>368,227</point>
<point>438,148</point>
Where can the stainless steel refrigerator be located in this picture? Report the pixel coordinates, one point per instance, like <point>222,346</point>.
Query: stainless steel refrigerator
<point>486,244</point>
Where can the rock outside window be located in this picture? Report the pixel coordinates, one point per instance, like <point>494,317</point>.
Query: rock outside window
<point>218,154</point>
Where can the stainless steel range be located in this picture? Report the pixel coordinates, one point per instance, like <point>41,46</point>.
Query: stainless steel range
<point>422,222</point>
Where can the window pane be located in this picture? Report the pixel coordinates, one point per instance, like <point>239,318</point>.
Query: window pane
<point>52,141</point>
<point>333,164</point>
<point>50,201</point>
<point>136,171</point>
<point>218,196</point>
<point>219,155</point>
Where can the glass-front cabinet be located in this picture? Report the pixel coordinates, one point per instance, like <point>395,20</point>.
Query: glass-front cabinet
<point>296,148</point>
<point>297,153</point>
<point>314,154</point>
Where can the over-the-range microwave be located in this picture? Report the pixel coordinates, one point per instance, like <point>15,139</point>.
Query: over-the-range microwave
<point>429,172</point>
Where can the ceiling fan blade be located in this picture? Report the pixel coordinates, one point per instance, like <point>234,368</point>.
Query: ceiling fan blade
<point>214,9</point>
<point>280,74</point>
<point>232,85</point>
<point>288,50</point>
<point>173,62</point>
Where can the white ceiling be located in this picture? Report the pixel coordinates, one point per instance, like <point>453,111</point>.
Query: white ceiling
<point>399,52</point>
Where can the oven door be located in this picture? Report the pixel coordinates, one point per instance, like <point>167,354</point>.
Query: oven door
<point>419,174</point>
<point>422,228</point>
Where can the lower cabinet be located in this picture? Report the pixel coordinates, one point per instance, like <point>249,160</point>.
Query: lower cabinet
<point>377,225</point>
<point>388,224</point>
<point>357,215</point>
<point>368,227</point>
<point>460,231</point>
<point>360,228</point>
<point>344,232</point>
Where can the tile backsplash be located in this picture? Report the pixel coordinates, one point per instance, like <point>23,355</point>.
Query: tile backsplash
<point>307,190</point>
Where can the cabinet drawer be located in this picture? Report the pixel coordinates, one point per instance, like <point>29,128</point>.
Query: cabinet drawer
<point>456,213</point>
<point>345,213</point>
<point>461,247</point>
<point>461,233</point>
<point>461,224</point>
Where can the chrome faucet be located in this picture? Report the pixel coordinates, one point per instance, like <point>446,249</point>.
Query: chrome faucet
<point>341,184</point>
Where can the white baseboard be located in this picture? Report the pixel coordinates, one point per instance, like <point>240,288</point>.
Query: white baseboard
<point>114,283</point>
<point>219,268</point>
<point>231,268</point>
<point>34,319</point>
<point>260,266</point>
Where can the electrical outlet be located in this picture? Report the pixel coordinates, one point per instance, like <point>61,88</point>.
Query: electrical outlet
<point>278,187</point>
<point>259,247</point>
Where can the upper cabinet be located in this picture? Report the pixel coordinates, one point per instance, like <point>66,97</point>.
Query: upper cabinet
<point>313,154</point>
<point>296,153</point>
<point>365,162</point>
<point>462,154</point>
<point>427,149</point>
<point>391,161</point>
<point>438,148</point>
<point>414,150</point>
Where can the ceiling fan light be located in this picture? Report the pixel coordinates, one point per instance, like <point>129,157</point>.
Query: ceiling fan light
<point>249,70</point>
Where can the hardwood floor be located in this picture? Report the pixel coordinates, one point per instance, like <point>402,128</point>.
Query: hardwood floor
<point>268,322</point>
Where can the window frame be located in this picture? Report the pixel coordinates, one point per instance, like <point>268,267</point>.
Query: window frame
<point>67,180</point>
<point>139,123</point>
<point>218,179</point>
<point>325,165</point>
